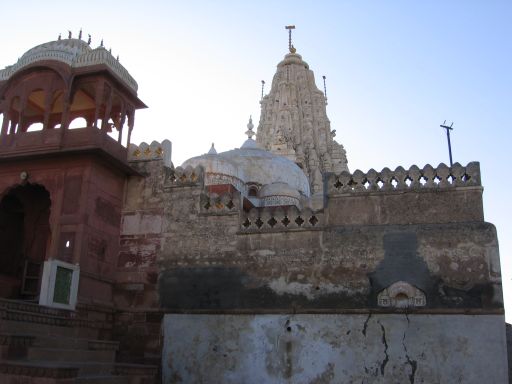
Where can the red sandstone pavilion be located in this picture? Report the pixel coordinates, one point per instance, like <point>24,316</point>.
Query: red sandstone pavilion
<point>269,263</point>
<point>61,199</point>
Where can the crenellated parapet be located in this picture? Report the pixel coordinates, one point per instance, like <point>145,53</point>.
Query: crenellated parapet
<point>214,204</point>
<point>413,179</point>
<point>270,219</point>
<point>185,177</point>
<point>154,151</point>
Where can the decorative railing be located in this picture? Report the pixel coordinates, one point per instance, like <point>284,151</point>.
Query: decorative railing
<point>101,56</point>
<point>213,203</point>
<point>279,219</point>
<point>413,179</point>
<point>188,177</point>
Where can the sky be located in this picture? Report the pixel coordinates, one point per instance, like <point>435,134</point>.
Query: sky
<point>395,71</point>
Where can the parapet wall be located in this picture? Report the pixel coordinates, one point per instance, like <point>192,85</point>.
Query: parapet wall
<point>428,195</point>
<point>413,179</point>
<point>154,151</point>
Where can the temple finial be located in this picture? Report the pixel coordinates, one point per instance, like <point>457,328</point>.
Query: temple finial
<point>60,37</point>
<point>250,133</point>
<point>69,34</point>
<point>101,44</point>
<point>80,34</point>
<point>212,150</point>
<point>290,45</point>
<point>89,40</point>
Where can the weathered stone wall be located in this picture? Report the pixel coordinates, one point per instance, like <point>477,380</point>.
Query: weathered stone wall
<point>337,348</point>
<point>142,226</point>
<point>137,324</point>
<point>218,257</point>
<point>227,269</point>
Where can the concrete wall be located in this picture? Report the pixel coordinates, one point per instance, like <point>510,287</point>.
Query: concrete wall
<point>334,349</point>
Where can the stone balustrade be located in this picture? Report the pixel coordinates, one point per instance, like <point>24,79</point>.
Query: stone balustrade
<point>279,219</point>
<point>185,177</point>
<point>413,179</point>
<point>213,203</point>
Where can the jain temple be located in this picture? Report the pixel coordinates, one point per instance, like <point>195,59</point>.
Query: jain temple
<point>269,263</point>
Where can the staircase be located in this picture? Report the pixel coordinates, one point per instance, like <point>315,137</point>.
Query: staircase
<point>40,345</point>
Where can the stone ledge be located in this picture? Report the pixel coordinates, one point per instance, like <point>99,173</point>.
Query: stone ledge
<point>33,369</point>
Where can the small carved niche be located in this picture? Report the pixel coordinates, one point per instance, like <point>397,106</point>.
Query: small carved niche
<point>401,295</point>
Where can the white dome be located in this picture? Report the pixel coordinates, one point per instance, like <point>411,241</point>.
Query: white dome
<point>253,165</point>
<point>278,189</point>
<point>65,48</point>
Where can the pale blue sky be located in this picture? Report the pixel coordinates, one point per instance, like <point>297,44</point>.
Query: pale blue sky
<point>395,71</point>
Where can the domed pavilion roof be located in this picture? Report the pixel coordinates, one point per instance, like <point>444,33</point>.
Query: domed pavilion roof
<point>76,53</point>
<point>250,165</point>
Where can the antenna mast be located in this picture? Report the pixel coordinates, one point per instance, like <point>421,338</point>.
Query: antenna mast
<point>448,129</point>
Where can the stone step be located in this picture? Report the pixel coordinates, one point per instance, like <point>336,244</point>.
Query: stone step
<point>23,372</point>
<point>75,343</point>
<point>52,372</point>
<point>19,340</point>
<point>25,326</point>
<point>17,379</point>
<point>25,306</point>
<point>108,380</point>
<point>128,369</point>
<point>69,355</point>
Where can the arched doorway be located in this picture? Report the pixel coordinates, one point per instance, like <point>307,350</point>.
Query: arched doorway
<point>24,238</point>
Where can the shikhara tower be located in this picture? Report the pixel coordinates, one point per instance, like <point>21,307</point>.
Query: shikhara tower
<point>294,122</point>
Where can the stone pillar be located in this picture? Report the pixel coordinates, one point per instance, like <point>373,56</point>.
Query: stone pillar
<point>65,109</point>
<point>47,108</point>
<point>21,119</point>
<point>98,99</point>
<point>5,123</point>
<point>108,110</point>
<point>121,124</point>
<point>131,121</point>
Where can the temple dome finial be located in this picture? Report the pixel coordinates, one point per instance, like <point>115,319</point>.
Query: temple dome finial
<point>212,150</point>
<point>250,133</point>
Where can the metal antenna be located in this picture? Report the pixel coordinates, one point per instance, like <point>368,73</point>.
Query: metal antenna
<point>325,88</point>
<point>290,46</point>
<point>262,87</point>
<point>448,129</point>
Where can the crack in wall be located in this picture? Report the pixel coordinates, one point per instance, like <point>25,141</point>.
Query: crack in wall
<point>384,341</point>
<point>365,326</point>
<point>412,363</point>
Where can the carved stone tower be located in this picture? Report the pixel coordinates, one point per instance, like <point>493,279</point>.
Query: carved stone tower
<point>294,123</point>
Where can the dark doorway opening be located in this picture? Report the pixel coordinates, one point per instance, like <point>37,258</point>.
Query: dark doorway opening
<point>24,240</point>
